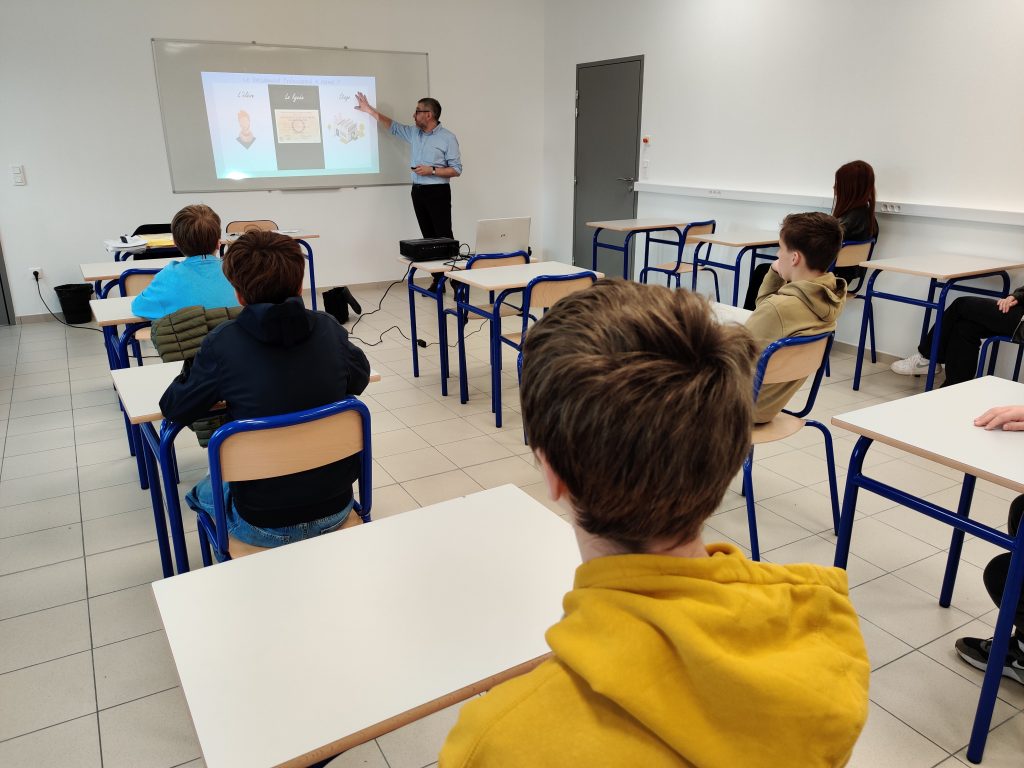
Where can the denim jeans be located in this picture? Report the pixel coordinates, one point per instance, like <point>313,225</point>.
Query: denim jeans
<point>200,498</point>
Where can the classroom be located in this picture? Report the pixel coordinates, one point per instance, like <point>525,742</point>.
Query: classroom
<point>746,110</point>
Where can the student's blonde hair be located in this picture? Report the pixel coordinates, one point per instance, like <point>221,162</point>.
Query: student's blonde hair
<point>641,402</point>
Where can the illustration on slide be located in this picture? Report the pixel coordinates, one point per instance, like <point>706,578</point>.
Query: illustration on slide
<point>345,129</point>
<point>245,136</point>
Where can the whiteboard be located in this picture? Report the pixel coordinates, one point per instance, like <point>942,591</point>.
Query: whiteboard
<point>217,142</point>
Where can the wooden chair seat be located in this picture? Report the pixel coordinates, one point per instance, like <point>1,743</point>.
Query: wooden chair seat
<point>512,338</point>
<point>670,266</point>
<point>144,334</point>
<point>782,426</point>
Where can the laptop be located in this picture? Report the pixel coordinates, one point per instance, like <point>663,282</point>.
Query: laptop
<point>502,235</point>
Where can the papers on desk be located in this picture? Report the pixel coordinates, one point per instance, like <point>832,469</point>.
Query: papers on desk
<point>134,243</point>
<point>287,231</point>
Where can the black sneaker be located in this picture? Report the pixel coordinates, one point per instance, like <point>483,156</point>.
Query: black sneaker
<point>975,652</point>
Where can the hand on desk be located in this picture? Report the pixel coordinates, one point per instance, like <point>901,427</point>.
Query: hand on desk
<point>1009,418</point>
<point>1006,304</point>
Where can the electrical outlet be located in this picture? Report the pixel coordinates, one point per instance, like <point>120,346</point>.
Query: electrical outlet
<point>714,193</point>
<point>35,272</point>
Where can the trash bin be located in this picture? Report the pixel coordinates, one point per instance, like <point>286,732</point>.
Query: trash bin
<point>74,302</point>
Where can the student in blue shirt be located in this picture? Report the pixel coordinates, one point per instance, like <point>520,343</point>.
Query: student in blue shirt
<point>198,280</point>
<point>434,160</point>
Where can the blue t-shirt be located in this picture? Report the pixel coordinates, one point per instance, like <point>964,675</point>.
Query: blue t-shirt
<point>198,280</point>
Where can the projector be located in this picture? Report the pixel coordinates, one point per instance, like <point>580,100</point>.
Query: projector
<point>429,248</point>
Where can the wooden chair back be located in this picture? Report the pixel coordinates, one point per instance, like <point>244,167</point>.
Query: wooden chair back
<point>795,362</point>
<point>853,254</point>
<point>256,225</point>
<point>257,454</point>
<point>708,228</point>
<point>544,293</point>
<point>133,285</point>
<point>488,261</point>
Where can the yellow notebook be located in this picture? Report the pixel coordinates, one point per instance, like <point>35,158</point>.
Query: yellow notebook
<point>158,241</point>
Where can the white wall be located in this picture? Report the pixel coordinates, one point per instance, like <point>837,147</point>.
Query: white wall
<point>774,96</point>
<point>81,114</point>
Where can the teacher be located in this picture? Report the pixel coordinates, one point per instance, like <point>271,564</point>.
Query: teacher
<point>434,159</point>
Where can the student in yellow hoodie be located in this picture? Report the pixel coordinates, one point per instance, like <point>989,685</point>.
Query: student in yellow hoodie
<point>671,652</point>
<point>799,296</point>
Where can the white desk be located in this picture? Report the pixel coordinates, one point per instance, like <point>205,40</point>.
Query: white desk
<point>726,313</point>
<point>500,281</point>
<point>944,272</point>
<point>939,425</point>
<point>321,645</point>
<point>747,241</point>
<point>630,228</point>
<point>112,270</point>
<point>114,311</point>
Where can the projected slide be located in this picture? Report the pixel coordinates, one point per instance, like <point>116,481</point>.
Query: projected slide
<point>271,126</point>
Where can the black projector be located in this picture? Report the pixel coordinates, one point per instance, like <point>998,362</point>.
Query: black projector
<point>429,248</point>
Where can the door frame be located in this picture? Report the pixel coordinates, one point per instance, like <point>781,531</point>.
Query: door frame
<point>6,304</point>
<point>575,138</point>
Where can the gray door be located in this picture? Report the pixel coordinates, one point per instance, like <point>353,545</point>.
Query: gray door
<point>6,307</point>
<point>608,99</point>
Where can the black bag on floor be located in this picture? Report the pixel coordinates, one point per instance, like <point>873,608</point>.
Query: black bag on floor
<point>337,302</point>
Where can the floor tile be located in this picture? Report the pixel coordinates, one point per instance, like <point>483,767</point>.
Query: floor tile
<point>46,694</point>
<point>96,413</point>
<point>969,593</point>
<point>74,744</point>
<point>106,474</point>
<point>41,588</point>
<point>886,742</point>
<point>122,568</point>
<point>103,396</point>
<point>397,441</point>
<point>36,442</point>
<point>816,549</point>
<point>31,550</point>
<point>36,487</point>
<point>37,463</point>
<point>392,500</point>
<point>85,434</point>
<point>882,646</point>
<point>116,531</point>
<point>447,431</point>
<point>943,651</point>
<point>415,464</point>
<point>31,424</point>
<point>39,515</point>
<point>42,636</point>
<point>514,470</point>
<point>366,755</point>
<point>474,450</point>
<point>886,547</point>
<point>131,669</point>
<point>102,451</point>
<point>934,701</point>
<point>36,407</point>
<point>123,614</point>
<point>154,732</point>
<point>448,485</point>
<point>114,499</point>
<point>1003,748</point>
<point>42,391</point>
<point>905,611</point>
<point>773,531</point>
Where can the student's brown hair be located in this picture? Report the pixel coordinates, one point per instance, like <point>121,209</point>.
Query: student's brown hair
<point>855,188</point>
<point>817,236</point>
<point>265,267</point>
<point>641,402</point>
<point>196,230</point>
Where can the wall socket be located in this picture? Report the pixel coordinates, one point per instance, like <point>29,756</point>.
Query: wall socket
<point>32,270</point>
<point>890,207</point>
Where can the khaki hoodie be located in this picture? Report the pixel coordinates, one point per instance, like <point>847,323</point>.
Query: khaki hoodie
<point>800,308</point>
<point>672,661</point>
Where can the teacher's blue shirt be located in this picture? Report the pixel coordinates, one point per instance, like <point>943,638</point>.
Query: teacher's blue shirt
<point>438,148</point>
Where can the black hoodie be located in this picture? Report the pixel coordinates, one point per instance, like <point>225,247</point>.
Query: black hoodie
<point>275,359</point>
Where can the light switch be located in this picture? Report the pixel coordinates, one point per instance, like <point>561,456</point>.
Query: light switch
<point>18,175</point>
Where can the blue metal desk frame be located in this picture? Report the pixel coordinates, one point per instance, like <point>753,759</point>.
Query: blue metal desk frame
<point>679,243</point>
<point>961,522</point>
<point>929,304</point>
<point>737,266</point>
<point>442,326</point>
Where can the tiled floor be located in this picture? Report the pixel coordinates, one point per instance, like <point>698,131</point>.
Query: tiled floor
<point>86,678</point>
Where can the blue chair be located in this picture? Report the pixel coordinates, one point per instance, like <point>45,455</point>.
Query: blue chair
<point>678,267</point>
<point>131,283</point>
<point>852,254</point>
<point>252,449</point>
<point>994,342</point>
<point>785,360</point>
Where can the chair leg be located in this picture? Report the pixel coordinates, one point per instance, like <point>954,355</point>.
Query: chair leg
<point>828,368</point>
<point>871,334</point>
<point>1020,358</point>
<point>204,548</point>
<point>718,295</point>
<point>748,491</point>
<point>830,460</point>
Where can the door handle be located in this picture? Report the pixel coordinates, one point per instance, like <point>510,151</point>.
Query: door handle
<point>630,181</point>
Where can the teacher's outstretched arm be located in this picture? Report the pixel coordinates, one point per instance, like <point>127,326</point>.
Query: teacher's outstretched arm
<point>363,105</point>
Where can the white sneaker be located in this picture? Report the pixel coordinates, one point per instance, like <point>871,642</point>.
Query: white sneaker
<point>915,365</point>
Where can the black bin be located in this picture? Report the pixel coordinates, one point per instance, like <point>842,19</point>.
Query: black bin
<point>74,302</point>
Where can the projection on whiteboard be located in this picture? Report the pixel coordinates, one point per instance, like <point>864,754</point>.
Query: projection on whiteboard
<point>271,126</point>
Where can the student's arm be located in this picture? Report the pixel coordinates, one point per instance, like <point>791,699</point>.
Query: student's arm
<point>358,365</point>
<point>769,286</point>
<point>765,324</point>
<point>362,105</point>
<point>155,298</point>
<point>196,390</point>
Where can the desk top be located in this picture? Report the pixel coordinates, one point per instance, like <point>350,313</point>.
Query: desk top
<point>141,388</point>
<point>338,639</point>
<point>516,276</point>
<point>433,267</point>
<point>939,425</point>
<point>727,313</point>
<point>638,225</point>
<point>112,270</point>
<point>739,238</point>
<point>944,266</point>
<point>114,311</point>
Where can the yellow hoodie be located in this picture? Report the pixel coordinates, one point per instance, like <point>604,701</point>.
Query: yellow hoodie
<point>800,308</point>
<point>671,661</point>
